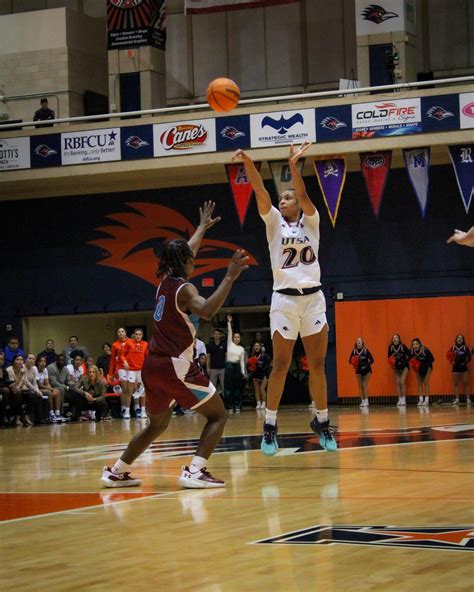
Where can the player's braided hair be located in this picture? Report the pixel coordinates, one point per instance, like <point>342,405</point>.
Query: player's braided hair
<point>174,256</point>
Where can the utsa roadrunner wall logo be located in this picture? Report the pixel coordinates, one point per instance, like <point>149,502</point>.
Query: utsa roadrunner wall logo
<point>136,237</point>
<point>377,14</point>
<point>452,538</point>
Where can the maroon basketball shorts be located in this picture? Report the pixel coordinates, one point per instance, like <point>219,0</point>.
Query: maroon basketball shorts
<point>171,380</point>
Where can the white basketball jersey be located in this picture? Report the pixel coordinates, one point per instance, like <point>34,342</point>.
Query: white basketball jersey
<point>293,250</point>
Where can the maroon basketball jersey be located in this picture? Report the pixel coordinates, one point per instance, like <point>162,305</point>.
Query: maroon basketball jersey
<point>173,331</point>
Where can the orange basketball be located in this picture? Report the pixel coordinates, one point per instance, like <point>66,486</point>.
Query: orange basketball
<point>223,94</point>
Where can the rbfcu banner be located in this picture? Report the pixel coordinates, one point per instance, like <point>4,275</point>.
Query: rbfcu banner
<point>282,127</point>
<point>14,154</point>
<point>92,146</point>
<point>241,188</point>
<point>206,6</point>
<point>132,23</point>
<point>186,137</point>
<point>280,170</point>
<point>375,167</point>
<point>331,174</point>
<point>462,157</point>
<point>386,118</point>
<point>417,162</point>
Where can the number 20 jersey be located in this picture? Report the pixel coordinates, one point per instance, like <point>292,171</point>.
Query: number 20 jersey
<point>293,250</point>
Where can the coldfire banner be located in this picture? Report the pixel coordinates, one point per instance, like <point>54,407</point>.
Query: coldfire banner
<point>132,23</point>
<point>205,6</point>
<point>241,188</point>
<point>331,174</point>
<point>462,159</point>
<point>375,167</point>
<point>280,170</point>
<point>417,162</point>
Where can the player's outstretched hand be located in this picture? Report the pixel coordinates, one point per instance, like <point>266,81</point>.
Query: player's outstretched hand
<point>241,156</point>
<point>205,215</point>
<point>463,238</point>
<point>297,152</point>
<point>238,264</point>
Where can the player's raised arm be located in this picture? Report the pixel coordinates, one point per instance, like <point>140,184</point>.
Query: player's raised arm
<point>190,300</point>
<point>307,206</point>
<point>264,203</point>
<point>205,221</point>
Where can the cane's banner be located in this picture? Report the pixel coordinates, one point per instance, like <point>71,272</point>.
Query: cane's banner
<point>331,175</point>
<point>14,154</point>
<point>241,188</point>
<point>375,167</point>
<point>386,118</point>
<point>185,137</point>
<point>417,162</point>
<point>466,108</point>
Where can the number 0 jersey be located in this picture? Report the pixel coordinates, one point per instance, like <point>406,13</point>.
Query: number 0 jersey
<point>173,331</point>
<point>293,250</point>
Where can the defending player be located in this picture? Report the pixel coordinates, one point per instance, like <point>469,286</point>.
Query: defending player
<point>169,372</point>
<point>298,304</point>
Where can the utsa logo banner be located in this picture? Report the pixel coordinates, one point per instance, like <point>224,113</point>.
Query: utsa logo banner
<point>375,167</point>
<point>462,158</point>
<point>417,162</point>
<point>137,142</point>
<point>280,170</point>
<point>331,174</point>
<point>241,188</point>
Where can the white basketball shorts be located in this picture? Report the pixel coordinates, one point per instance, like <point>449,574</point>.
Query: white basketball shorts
<point>293,315</point>
<point>134,376</point>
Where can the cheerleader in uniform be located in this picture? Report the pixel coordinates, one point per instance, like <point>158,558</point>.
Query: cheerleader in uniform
<point>460,356</point>
<point>398,355</point>
<point>362,360</point>
<point>421,361</point>
<point>258,366</point>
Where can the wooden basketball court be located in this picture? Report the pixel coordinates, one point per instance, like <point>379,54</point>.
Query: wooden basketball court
<point>391,510</point>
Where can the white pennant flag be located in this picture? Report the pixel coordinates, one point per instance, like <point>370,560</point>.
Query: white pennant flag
<point>417,162</point>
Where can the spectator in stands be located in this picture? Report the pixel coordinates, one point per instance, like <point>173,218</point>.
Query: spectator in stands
<point>13,349</point>
<point>74,346</point>
<point>398,356</point>
<point>23,392</point>
<point>460,356</point>
<point>216,350</point>
<point>44,113</point>
<point>42,406</point>
<point>117,370</point>
<point>59,378</point>
<point>76,369</point>
<point>53,394</point>
<point>90,361</point>
<point>421,361</point>
<point>199,348</point>
<point>463,238</point>
<point>103,361</point>
<point>201,363</point>
<point>235,371</point>
<point>94,389</point>
<point>362,360</point>
<point>6,398</point>
<point>49,352</point>
<point>258,366</point>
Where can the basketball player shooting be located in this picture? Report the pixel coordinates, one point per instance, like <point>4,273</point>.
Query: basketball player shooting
<point>169,372</point>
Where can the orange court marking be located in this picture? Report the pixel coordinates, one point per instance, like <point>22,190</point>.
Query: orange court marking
<point>23,505</point>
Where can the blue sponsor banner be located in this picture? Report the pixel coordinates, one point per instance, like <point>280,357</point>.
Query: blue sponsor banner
<point>45,151</point>
<point>440,113</point>
<point>137,142</point>
<point>333,124</point>
<point>232,132</point>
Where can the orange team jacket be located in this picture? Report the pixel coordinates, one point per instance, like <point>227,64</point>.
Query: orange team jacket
<point>134,352</point>
<point>116,356</point>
